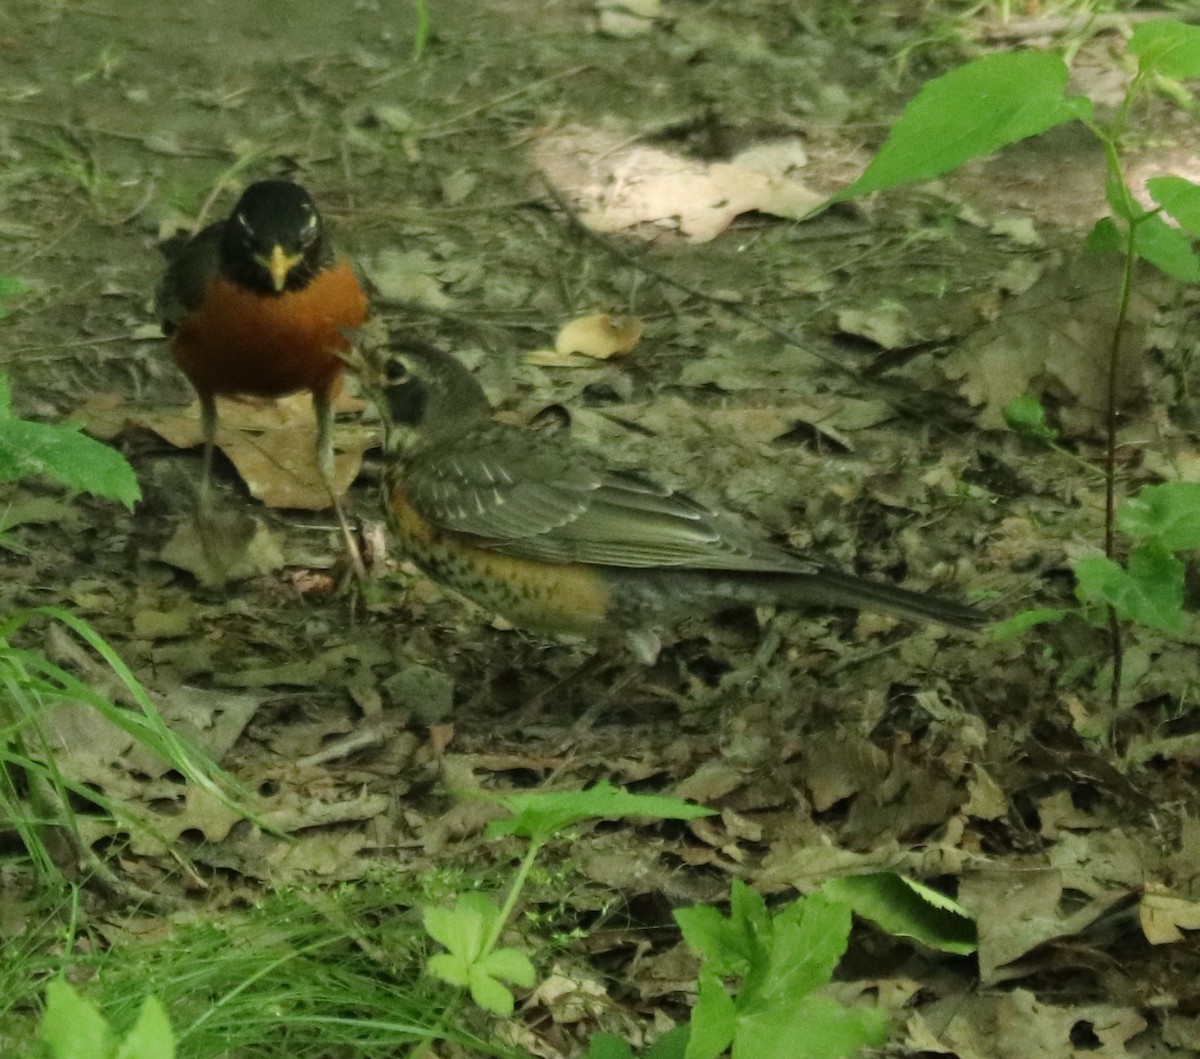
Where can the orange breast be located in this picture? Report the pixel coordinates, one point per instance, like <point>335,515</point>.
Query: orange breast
<point>241,342</point>
<point>545,597</point>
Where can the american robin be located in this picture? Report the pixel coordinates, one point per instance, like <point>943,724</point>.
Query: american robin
<point>548,534</point>
<point>255,305</point>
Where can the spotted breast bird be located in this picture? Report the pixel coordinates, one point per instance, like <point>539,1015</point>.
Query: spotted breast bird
<point>553,537</point>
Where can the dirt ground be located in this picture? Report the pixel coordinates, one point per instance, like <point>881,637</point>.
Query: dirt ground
<point>837,381</point>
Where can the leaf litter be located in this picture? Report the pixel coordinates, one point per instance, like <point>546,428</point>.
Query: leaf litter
<point>859,746</point>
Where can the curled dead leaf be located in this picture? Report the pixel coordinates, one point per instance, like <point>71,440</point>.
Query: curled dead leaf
<point>599,336</point>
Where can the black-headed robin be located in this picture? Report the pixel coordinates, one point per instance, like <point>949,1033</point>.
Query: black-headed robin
<point>548,534</point>
<point>256,305</point>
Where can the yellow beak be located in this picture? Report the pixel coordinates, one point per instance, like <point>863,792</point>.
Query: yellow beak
<point>278,265</point>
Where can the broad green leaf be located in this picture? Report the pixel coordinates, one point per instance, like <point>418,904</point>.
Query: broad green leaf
<point>1149,591</point>
<point>713,937</point>
<point>969,113</point>
<point>60,451</point>
<point>814,1027</point>
<point>671,1045</point>
<point>542,814</point>
<point>608,1046</point>
<point>1169,513</point>
<point>449,967</point>
<point>1178,197</point>
<point>1027,416</point>
<point>1104,238</point>
<point>151,1036</point>
<point>748,909</point>
<point>1167,47</point>
<point>809,940</point>
<point>907,909</point>
<point>72,1026</point>
<point>464,928</point>
<point>1166,248</point>
<point>731,944</point>
<point>511,965</point>
<point>713,1018</point>
<point>490,994</point>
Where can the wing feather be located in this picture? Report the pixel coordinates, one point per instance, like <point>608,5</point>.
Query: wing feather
<point>532,496</point>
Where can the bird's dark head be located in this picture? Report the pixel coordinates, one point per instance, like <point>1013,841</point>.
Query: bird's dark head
<point>423,393</point>
<point>274,240</point>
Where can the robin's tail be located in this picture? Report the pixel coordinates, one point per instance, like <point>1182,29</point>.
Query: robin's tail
<point>832,588</point>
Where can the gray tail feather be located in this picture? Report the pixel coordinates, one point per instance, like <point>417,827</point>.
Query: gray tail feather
<point>832,588</point>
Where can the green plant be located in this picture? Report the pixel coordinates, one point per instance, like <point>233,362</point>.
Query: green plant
<point>35,795</point>
<point>62,451</point>
<point>780,960</point>
<point>471,930</point>
<point>995,101</point>
<point>73,1028</point>
<point>421,33</point>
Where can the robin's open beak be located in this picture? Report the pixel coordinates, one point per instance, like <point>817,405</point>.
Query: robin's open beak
<point>278,265</point>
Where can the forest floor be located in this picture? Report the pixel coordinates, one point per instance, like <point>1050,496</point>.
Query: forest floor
<point>836,381</point>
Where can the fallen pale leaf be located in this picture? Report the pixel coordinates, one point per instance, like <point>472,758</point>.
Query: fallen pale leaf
<point>272,444</point>
<point>599,336</point>
<point>1164,918</point>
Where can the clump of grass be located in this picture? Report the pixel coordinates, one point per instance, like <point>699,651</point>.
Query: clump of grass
<point>300,975</point>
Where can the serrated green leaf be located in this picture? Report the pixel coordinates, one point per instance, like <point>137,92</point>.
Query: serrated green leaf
<point>490,994</point>
<point>72,1026</point>
<point>1169,513</point>
<point>731,944</point>
<point>463,929</point>
<point>1167,249</point>
<point>1178,197</point>
<point>1167,47</point>
<point>713,1018</point>
<point>1149,591</point>
<point>60,451</point>
<point>814,1027</point>
<point>151,1036</point>
<point>450,968</point>
<point>809,939</point>
<point>969,113</point>
<point>510,965</point>
<point>1027,416</point>
<point>540,815</point>
<point>711,936</point>
<point>907,909</point>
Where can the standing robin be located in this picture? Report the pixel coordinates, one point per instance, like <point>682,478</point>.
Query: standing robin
<point>548,534</point>
<point>255,306</point>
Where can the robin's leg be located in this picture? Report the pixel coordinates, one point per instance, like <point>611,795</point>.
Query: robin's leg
<point>208,429</point>
<point>219,542</point>
<point>323,407</point>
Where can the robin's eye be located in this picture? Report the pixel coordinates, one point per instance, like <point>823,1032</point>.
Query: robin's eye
<point>309,232</point>
<point>395,371</point>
